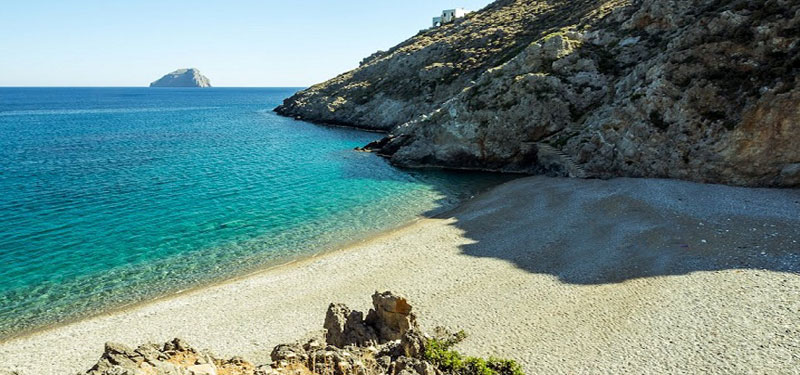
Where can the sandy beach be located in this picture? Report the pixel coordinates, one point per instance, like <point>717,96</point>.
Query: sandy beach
<point>566,276</point>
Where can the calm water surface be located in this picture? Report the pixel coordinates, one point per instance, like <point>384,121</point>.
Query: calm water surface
<point>111,196</point>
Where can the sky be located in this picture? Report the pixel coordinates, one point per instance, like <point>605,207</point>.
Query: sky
<point>245,43</point>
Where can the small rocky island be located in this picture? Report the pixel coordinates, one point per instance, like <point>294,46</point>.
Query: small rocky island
<point>183,78</point>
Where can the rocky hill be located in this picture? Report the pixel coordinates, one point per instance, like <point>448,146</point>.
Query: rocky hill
<point>183,78</point>
<point>704,90</point>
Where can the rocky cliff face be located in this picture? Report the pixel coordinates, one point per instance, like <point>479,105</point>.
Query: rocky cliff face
<point>704,90</point>
<point>183,78</point>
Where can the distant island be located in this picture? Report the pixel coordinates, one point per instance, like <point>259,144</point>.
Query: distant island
<point>183,78</point>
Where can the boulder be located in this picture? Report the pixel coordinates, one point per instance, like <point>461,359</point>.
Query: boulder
<point>391,316</point>
<point>345,327</point>
<point>175,357</point>
<point>388,320</point>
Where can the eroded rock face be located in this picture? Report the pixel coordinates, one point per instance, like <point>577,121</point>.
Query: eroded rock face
<point>391,316</point>
<point>704,90</point>
<point>173,358</point>
<point>387,342</point>
<point>345,327</point>
<point>417,76</point>
<point>388,320</point>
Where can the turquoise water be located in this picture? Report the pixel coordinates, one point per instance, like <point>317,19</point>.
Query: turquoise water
<point>111,196</point>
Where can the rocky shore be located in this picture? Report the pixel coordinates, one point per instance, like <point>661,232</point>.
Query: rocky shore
<point>388,341</point>
<point>704,90</point>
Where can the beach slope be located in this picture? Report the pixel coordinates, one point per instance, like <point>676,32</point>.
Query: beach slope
<point>565,276</point>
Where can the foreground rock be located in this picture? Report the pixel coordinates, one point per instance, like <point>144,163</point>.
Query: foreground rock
<point>704,90</point>
<point>173,358</point>
<point>183,78</point>
<point>387,341</point>
<point>389,320</point>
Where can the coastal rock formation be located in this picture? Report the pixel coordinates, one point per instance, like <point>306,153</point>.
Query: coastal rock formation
<point>183,78</point>
<point>173,358</point>
<point>397,347</point>
<point>387,342</point>
<point>389,320</point>
<point>703,90</point>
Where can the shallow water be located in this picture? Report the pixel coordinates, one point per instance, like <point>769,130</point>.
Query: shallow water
<point>111,196</point>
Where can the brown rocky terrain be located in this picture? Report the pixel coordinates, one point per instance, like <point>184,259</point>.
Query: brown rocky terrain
<point>703,90</point>
<point>387,341</point>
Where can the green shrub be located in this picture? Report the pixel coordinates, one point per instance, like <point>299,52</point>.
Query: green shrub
<point>450,361</point>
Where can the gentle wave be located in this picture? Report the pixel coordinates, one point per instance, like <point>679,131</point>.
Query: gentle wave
<point>51,112</point>
<point>112,206</point>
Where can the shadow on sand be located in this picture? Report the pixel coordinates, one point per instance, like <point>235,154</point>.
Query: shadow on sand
<point>596,232</point>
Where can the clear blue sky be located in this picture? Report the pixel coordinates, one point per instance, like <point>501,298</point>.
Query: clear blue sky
<point>234,43</point>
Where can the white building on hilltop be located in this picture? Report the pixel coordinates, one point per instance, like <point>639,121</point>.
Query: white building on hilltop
<point>449,15</point>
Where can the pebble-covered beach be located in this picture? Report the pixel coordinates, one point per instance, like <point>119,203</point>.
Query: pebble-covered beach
<point>565,276</point>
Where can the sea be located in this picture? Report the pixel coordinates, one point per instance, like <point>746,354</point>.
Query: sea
<point>116,196</point>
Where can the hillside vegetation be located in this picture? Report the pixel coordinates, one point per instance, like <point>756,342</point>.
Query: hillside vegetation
<point>704,90</point>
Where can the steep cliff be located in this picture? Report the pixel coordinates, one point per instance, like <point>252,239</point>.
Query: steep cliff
<point>705,90</point>
<point>182,78</point>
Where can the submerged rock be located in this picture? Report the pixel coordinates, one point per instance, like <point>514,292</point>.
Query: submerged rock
<point>183,78</point>
<point>705,90</point>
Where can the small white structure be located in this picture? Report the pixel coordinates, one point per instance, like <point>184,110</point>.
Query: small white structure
<point>449,15</point>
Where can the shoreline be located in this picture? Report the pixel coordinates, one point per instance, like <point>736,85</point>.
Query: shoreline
<point>297,260</point>
<point>561,275</point>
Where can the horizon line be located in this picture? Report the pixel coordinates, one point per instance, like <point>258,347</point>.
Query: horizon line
<point>148,87</point>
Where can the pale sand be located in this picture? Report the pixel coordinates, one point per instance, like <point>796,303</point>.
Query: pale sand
<point>566,276</point>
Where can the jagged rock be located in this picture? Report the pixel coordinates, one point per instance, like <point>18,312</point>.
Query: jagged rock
<point>411,366</point>
<point>321,360</point>
<point>394,346</point>
<point>178,345</point>
<point>388,320</point>
<point>115,356</point>
<point>182,78</point>
<point>391,316</point>
<point>346,327</point>
<point>412,343</point>
<point>288,353</point>
<point>175,357</point>
<point>702,90</point>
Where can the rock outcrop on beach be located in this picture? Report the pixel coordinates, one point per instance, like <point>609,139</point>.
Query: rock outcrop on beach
<point>183,78</point>
<point>387,341</point>
<point>703,90</point>
<point>172,358</point>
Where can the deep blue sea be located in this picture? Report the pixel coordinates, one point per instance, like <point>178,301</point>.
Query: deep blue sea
<point>112,196</point>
